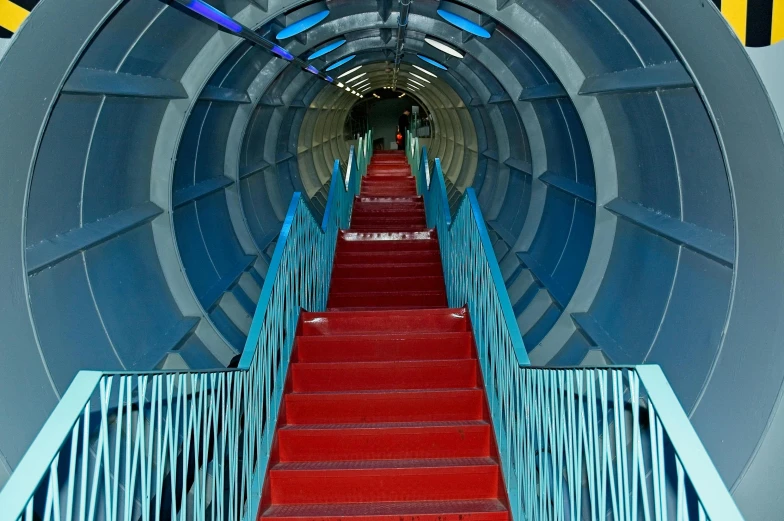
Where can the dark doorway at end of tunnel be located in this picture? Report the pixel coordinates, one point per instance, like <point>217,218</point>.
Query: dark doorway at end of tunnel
<point>385,111</point>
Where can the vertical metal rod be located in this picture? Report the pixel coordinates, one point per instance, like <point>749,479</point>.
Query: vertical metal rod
<point>402,28</point>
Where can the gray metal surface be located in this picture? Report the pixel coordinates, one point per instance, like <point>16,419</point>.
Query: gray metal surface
<point>630,175</point>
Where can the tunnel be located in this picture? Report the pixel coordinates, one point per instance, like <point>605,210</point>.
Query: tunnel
<point>625,154</point>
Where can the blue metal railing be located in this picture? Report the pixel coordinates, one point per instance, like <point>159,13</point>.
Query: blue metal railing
<point>364,151</point>
<point>575,443</point>
<point>185,445</point>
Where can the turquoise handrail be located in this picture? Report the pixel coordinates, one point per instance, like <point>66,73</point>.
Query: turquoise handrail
<point>574,442</point>
<point>129,445</point>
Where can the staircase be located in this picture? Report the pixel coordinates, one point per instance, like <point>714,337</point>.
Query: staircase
<point>384,415</point>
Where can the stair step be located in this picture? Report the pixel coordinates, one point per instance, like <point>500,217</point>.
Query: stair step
<point>411,209</point>
<point>388,220</point>
<point>387,300</point>
<point>367,322</point>
<point>374,376</point>
<point>457,510</point>
<point>387,270</point>
<point>389,159</point>
<point>376,347</point>
<point>391,199</point>
<point>360,241</point>
<point>376,441</point>
<point>384,480</point>
<point>341,285</point>
<point>388,256</point>
<point>398,168</point>
<point>386,191</point>
<point>384,406</point>
<point>390,227</point>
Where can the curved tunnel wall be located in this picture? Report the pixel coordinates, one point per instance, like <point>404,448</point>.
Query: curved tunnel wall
<point>628,174</point>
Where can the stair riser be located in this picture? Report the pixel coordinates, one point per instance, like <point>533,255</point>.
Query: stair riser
<point>381,201</point>
<point>458,441</point>
<point>379,168</point>
<point>464,516</point>
<point>319,409</point>
<point>363,270</point>
<point>348,285</point>
<point>409,220</point>
<point>363,486</point>
<point>390,228</point>
<point>391,185</point>
<point>444,346</point>
<point>392,256</point>
<point>384,192</point>
<point>412,209</point>
<point>386,246</point>
<point>383,376</point>
<point>401,301</point>
<point>391,188</point>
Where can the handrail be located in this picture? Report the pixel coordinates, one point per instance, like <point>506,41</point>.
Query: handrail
<point>200,446</point>
<point>574,442</point>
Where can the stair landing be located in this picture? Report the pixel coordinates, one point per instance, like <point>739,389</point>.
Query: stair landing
<point>384,415</point>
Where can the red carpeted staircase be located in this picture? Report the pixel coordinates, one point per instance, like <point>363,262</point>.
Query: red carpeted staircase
<point>384,415</point>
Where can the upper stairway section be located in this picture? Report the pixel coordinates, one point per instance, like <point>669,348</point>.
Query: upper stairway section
<point>388,258</point>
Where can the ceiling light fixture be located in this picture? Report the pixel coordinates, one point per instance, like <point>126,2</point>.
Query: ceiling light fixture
<point>302,25</point>
<point>355,78</point>
<point>432,62</point>
<point>349,71</point>
<point>463,23</point>
<point>327,49</point>
<point>415,82</point>
<point>441,46</point>
<point>419,77</point>
<point>340,62</point>
<point>417,67</point>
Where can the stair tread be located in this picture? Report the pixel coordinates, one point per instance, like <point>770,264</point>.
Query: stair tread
<point>451,312</point>
<point>390,508</point>
<point>407,236</point>
<point>381,464</point>
<point>343,263</point>
<point>381,293</point>
<point>386,392</point>
<point>386,425</point>
<point>386,375</point>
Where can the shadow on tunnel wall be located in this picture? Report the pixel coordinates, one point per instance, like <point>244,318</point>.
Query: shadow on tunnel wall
<point>629,173</point>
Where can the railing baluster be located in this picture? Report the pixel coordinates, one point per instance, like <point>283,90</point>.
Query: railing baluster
<point>562,432</point>
<point>194,443</point>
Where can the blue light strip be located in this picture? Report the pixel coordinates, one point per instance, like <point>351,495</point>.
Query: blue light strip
<point>213,14</point>
<point>312,69</point>
<point>432,62</point>
<point>327,49</point>
<point>464,24</point>
<point>283,53</point>
<point>341,62</point>
<point>302,25</point>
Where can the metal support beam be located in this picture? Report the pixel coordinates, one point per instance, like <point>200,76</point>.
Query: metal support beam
<point>402,28</point>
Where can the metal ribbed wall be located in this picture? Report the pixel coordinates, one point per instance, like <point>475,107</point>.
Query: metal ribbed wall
<point>629,173</point>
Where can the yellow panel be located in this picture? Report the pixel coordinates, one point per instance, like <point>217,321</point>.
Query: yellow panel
<point>735,13</point>
<point>11,15</point>
<point>777,33</point>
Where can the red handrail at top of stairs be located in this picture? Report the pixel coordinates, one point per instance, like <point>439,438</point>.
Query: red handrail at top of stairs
<point>384,414</point>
